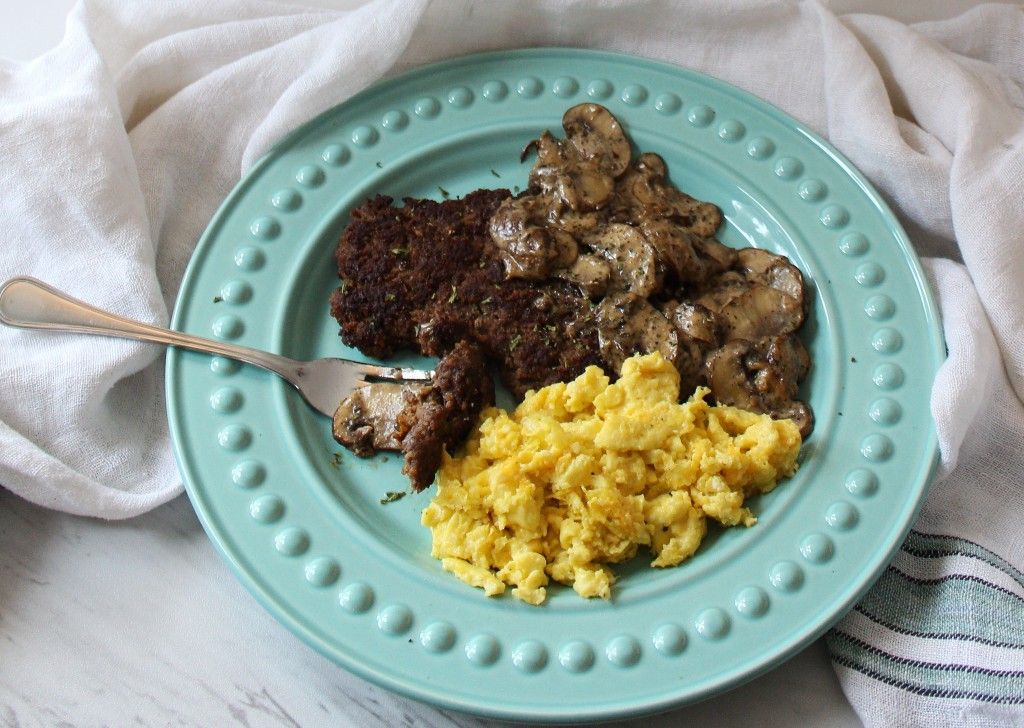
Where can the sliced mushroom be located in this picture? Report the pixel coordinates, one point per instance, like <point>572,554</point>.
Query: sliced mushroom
<point>723,289</point>
<point>549,151</point>
<point>717,258</point>
<point>761,296</point>
<point>700,218</point>
<point>801,414</point>
<point>571,178</point>
<point>727,376</point>
<point>575,186</point>
<point>645,188</point>
<point>576,224</point>
<point>762,376</point>
<point>644,193</point>
<point>365,421</point>
<point>758,311</point>
<point>596,135</point>
<point>697,322</point>
<point>510,220</point>
<point>632,259</point>
<point>549,171</point>
<point>590,272</point>
<point>528,255</point>
<point>566,250</point>
<point>588,188</point>
<point>653,165</point>
<point>637,192</point>
<point>690,363</point>
<point>698,332</point>
<point>780,363</point>
<point>675,250</point>
<point>627,324</point>
<point>772,270</point>
<point>529,250</point>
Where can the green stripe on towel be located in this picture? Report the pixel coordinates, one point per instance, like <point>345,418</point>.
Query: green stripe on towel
<point>914,631</point>
<point>958,606</point>
<point>930,545</point>
<point>927,678</point>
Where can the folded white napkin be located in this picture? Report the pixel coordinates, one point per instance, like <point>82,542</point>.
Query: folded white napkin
<point>118,146</point>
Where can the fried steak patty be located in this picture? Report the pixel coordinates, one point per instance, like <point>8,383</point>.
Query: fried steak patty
<point>425,277</point>
<point>442,413</point>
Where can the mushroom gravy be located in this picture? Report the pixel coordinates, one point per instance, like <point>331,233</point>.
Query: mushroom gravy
<point>645,256</point>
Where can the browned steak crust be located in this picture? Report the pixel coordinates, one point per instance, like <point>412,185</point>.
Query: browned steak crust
<point>440,415</point>
<point>393,260</point>
<point>424,277</point>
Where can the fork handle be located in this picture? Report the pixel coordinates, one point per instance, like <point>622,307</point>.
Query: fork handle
<point>29,303</point>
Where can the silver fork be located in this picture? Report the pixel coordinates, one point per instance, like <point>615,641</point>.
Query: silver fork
<point>29,303</point>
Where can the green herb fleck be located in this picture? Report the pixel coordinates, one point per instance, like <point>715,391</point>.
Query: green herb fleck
<point>391,496</point>
<point>514,344</point>
<point>389,296</point>
<point>495,173</point>
<point>379,165</point>
<point>444,192</point>
<point>400,252</point>
<point>451,298</point>
<point>336,460</point>
<point>342,288</point>
<point>218,299</point>
<point>551,329</point>
<point>487,300</point>
<point>481,264</point>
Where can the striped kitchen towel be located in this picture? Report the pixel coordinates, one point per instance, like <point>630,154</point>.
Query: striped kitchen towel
<point>934,114</point>
<point>939,639</point>
<point>944,621</point>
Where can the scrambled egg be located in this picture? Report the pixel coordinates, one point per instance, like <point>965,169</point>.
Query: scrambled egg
<point>582,474</point>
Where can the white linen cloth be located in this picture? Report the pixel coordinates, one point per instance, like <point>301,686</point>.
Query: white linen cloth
<point>118,146</point>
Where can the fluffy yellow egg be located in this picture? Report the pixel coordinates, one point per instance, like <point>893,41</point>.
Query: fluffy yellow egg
<point>583,473</point>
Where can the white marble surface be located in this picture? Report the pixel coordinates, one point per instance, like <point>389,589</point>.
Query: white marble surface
<point>140,623</point>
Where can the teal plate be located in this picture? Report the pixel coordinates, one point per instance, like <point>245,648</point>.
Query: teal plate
<point>304,528</point>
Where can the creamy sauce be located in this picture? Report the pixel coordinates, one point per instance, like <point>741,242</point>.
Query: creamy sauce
<point>627,324</point>
<point>618,229</point>
<point>595,217</point>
